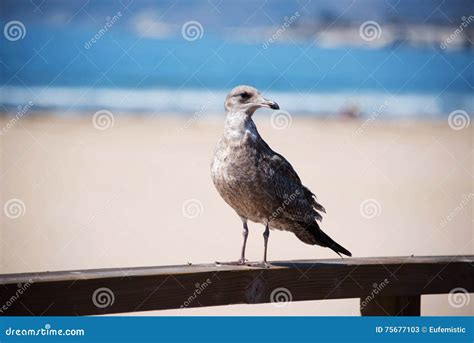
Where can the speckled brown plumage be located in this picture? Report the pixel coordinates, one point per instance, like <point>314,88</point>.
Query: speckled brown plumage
<point>260,184</point>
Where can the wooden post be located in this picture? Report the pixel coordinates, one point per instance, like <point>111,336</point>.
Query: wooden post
<point>392,306</point>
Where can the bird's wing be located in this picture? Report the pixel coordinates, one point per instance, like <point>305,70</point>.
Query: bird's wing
<point>297,201</point>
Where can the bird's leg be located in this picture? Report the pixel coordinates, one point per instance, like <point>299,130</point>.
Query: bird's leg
<point>266,234</point>
<point>242,259</point>
<point>245,233</point>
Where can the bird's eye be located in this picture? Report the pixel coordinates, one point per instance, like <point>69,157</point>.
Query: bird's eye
<point>245,95</point>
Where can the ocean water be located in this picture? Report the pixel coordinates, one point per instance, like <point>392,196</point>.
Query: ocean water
<point>63,71</point>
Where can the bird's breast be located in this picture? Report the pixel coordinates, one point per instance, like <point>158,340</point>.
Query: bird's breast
<point>235,176</point>
<point>233,165</point>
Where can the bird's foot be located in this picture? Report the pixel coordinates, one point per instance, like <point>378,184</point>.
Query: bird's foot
<point>240,262</point>
<point>262,264</point>
<point>245,262</point>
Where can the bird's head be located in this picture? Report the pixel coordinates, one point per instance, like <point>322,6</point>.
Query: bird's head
<point>246,99</point>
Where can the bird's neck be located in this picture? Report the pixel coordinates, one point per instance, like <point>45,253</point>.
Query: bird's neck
<point>238,124</point>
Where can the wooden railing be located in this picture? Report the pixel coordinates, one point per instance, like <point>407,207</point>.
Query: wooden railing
<point>385,285</point>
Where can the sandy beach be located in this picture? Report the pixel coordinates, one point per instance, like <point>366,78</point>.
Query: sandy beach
<point>140,194</point>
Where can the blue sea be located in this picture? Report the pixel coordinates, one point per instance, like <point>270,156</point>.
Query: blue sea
<point>66,65</point>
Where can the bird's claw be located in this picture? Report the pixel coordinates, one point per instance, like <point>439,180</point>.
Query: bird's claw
<point>245,262</point>
<point>265,264</point>
<point>242,261</point>
<point>236,263</point>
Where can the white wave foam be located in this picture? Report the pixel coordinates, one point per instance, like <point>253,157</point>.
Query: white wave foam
<point>204,101</point>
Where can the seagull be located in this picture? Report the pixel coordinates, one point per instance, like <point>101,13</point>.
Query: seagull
<point>259,183</point>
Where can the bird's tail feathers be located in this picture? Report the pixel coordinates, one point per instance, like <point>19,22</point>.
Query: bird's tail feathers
<point>317,236</point>
<point>330,243</point>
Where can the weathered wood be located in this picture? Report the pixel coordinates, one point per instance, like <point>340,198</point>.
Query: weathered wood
<point>155,288</point>
<point>392,306</point>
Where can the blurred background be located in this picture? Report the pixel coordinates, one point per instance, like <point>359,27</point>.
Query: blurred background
<point>110,111</point>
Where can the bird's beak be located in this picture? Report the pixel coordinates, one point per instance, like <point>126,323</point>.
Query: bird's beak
<point>270,104</point>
